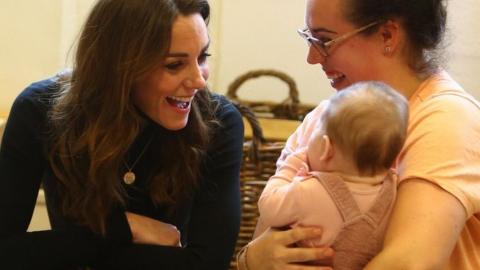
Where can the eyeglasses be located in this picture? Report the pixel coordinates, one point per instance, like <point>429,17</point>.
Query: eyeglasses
<point>323,47</point>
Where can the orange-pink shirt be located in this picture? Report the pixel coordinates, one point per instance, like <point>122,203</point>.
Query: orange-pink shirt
<point>443,147</point>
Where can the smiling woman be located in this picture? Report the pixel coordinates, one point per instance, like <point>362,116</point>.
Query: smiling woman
<point>435,222</point>
<point>166,93</point>
<point>133,133</point>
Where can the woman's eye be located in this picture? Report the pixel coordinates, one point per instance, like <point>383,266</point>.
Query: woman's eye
<point>203,58</point>
<point>174,65</point>
<point>324,39</point>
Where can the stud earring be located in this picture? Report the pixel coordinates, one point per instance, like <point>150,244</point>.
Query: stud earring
<point>388,50</point>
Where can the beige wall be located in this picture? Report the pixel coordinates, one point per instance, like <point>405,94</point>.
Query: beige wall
<point>36,36</point>
<point>29,44</point>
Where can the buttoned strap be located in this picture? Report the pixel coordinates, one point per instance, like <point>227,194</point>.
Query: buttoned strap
<point>340,194</point>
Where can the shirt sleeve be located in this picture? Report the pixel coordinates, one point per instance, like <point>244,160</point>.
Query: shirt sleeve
<point>215,217</point>
<point>443,147</point>
<point>293,164</point>
<point>300,137</point>
<point>282,206</point>
<point>287,164</point>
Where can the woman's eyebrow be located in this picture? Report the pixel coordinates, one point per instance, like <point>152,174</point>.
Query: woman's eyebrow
<point>181,54</point>
<point>177,54</point>
<point>205,48</point>
<point>322,30</point>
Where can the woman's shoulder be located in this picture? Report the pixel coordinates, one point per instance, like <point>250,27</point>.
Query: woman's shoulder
<point>225,112</point>
<point>39,93</point>
<point>441,91</point>
<point>36,99</point>
<point>229,128</point>
<point>448,105</point>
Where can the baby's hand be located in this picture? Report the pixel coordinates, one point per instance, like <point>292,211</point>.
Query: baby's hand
<point>302,171</point>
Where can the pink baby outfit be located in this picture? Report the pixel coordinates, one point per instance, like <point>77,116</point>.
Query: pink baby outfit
<point>353,215</point>
<point>361,236</point>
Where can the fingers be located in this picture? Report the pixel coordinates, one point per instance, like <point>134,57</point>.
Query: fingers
<point>273,250</point>
<point>297,234</point>
<point>322,255</point>
<point>300,255</point>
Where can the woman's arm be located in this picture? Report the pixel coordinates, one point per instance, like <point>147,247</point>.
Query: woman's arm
<point>150,231</point>
<point>425,225</point>
<point>439,185</point>
<point>22,166</point>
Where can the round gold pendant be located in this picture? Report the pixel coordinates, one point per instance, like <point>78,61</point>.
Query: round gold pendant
<point>129,178</point>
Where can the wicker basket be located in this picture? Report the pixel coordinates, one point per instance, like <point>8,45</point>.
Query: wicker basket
<point>259,154</point>
<point>290,108</point>
<point>259,158</point>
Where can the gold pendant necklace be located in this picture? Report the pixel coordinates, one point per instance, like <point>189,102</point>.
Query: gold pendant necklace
<point>129,176</point>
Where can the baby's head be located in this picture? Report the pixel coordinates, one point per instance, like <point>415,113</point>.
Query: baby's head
<point>363,128</point>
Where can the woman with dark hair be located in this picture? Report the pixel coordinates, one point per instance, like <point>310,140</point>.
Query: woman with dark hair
<point>435,223</point>
<point>139,161</point>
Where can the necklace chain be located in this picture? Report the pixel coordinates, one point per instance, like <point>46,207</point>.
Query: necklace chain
<point>129,176</point>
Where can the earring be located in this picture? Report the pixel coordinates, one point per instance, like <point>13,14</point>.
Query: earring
<point>388,50</point>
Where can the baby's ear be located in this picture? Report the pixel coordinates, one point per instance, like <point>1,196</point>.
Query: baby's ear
<point>327,149</point>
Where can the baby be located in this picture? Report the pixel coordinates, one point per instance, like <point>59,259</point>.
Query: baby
<point>342,181</point>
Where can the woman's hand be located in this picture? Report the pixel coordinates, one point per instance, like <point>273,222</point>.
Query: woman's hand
<point>275,249</point>
<point>147,230</point>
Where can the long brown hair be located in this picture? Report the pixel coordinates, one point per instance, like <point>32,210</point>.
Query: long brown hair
<point>93,119</point>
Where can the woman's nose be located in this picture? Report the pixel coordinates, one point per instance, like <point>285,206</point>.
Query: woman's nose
<point>315,57</point>
<point>197,78</point>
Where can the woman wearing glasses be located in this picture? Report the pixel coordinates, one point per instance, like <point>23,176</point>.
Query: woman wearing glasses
<point>436,220</point>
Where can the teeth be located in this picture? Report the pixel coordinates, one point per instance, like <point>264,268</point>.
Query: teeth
<point>181,99</point>
<point>334,76</point>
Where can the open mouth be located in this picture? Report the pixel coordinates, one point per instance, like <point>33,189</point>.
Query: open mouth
<point>335,78</point>
<point>180,102</point>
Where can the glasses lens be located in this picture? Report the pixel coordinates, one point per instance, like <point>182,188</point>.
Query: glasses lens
<point>311,41</point>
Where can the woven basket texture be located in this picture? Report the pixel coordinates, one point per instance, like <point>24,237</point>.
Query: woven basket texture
<point>260,154</point>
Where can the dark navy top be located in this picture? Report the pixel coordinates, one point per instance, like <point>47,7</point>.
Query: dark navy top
<point>208,221</point>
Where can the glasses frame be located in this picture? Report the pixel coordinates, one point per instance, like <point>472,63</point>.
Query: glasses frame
<point>323,47</point>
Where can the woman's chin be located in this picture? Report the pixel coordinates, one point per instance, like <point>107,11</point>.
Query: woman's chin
<point>174,126</point>
<point>340,83</point>
<point>172,123</point>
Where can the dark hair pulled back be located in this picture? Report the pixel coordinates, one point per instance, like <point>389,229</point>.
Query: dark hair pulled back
<point>424,22</point>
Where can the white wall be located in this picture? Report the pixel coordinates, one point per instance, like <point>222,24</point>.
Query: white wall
<point>248,34</point>
<point>464,50</point>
